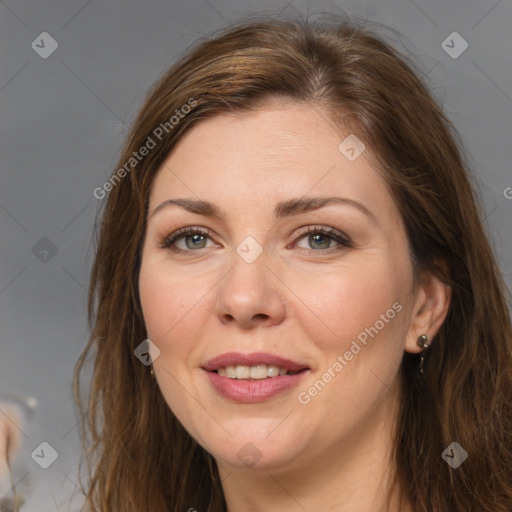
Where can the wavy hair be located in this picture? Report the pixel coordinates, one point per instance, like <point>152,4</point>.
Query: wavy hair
<point>139,457</point>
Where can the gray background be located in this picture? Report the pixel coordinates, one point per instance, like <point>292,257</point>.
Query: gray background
<point>62,122</point>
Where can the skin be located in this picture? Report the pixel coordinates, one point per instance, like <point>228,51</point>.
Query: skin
<point>304,299</point>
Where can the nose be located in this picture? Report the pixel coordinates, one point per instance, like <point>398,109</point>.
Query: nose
<point>250,295</point>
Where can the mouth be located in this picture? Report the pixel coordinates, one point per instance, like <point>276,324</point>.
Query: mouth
<point>255,372</point>
<point>254,366</point>
<point>252,378</point>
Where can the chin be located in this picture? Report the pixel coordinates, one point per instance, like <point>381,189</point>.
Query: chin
<point>253,457</point>
<point>255,452</point>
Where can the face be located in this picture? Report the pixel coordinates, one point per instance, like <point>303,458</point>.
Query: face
<point>319,289</point>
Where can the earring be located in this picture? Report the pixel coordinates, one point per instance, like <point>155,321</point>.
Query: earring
<point>210,467</point>
<point>152,371</point>
<point>424,344</point>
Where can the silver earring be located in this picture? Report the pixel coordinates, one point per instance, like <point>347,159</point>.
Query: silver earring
<point>424,344</point>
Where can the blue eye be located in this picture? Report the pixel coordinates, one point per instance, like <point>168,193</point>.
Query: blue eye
<point>195,235</point>
<point>319,238</point>
<point>324,237</point>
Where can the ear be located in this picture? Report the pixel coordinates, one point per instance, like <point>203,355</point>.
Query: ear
<point>431,306</point>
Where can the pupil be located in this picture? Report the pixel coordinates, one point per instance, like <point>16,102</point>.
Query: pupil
<point>196,238</point>
<point>314,239</point>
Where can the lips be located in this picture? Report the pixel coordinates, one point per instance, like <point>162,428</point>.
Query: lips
<point>243,389</point>
<point>254,359</point>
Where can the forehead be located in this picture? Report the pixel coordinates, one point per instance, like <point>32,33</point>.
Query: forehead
<point>267,155</point>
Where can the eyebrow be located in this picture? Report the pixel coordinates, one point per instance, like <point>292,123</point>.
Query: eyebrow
<point>283,209</point>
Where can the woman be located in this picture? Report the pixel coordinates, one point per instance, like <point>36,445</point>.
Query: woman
<point>294,305</point>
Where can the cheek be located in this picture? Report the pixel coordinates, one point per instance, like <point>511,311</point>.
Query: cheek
<point>358,342</point>
<point>335,308</point>
<point>157,300</point>
<point>173,306</point>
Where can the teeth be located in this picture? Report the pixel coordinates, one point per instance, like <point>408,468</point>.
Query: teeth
<point>242,372</point>
<point>273,371</point>
<point>257,372</point>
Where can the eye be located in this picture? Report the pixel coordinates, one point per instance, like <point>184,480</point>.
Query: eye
<point>320,239</point>
<point>194,238</point>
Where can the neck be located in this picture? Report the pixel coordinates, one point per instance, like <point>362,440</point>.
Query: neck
<point>352,476</point>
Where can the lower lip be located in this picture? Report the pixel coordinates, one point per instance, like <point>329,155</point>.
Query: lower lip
<point>251,391</point>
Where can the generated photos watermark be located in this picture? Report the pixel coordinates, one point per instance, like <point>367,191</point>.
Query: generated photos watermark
<point>335,368</point>
<point>158,133</point>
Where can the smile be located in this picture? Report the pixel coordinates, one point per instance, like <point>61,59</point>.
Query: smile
<point>254,377</point>
<point>257,372</point>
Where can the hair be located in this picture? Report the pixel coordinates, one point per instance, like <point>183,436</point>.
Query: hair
<point>139,457</point>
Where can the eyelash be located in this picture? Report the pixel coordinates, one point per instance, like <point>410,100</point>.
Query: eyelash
<point>337,236</point>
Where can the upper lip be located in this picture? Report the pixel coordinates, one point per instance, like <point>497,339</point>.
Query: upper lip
<point>253,359</point>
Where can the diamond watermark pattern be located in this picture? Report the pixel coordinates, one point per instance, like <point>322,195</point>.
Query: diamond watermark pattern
<point>44,250</point>
<point>454,45</point>
<point>44,45</point>
<point>249,249</point>
<point>455,455</point>
<point>45,455</point>
<point>351,147</point>
<point>147,352</point>
<point>249,455</point>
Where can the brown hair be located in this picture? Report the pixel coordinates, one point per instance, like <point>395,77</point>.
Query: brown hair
<point>139,457</point>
